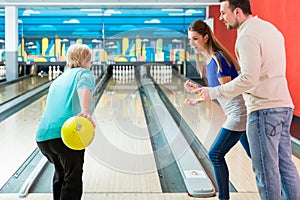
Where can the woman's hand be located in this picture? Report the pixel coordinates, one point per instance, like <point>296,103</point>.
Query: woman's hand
<point>193,101</point>
<point>189,86</point>
<point>88,116</point>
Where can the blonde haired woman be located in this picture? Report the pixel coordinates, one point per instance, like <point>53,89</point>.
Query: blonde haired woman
<point>69,95</point>
<point>219,67</point>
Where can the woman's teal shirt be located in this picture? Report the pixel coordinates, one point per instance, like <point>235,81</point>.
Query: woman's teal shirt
<point>63,102</point>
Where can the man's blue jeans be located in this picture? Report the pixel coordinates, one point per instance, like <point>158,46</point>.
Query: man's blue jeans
<point>224,141</point>
<point>269,138</point>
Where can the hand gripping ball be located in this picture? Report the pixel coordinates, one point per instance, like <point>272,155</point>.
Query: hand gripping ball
<point>77,132</point>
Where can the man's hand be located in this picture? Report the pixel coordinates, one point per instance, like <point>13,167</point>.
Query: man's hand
<point>203,91</point>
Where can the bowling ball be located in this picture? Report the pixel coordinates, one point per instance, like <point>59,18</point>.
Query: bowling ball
<point>199,97</point>
<point>77,132</point>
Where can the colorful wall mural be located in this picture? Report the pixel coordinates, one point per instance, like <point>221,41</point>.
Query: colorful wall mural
<point>118,35</point>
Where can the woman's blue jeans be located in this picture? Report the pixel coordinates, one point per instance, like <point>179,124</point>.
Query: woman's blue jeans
<point>224,141</point>
<point>269,137</point>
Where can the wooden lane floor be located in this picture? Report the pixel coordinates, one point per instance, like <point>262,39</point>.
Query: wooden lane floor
<point>205,120</point>
<point>18,138</point>
<point>12,90</point>
<point>133,196</point>
<point>120,159</point>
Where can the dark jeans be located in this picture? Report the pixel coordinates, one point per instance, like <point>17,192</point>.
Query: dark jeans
<point>225,140</point>
<point>68,164</point>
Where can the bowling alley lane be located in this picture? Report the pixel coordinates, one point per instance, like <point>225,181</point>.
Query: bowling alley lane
<point>120,159</point>
<point>205,120</point>
<point>11,90</point>
<point>18,138</point>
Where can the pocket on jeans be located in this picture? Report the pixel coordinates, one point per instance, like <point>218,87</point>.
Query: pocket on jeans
<point>273,122</point>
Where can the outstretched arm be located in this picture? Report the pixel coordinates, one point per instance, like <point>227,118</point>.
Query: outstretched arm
<point>84,95</point>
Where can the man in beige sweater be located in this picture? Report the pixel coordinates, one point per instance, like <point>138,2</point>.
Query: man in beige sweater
<point>261,54</point>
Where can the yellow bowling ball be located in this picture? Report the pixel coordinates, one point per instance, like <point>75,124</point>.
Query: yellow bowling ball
<point>77,132</point>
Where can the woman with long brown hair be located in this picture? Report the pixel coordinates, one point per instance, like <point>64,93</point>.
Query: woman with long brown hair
<point>219,67</point>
